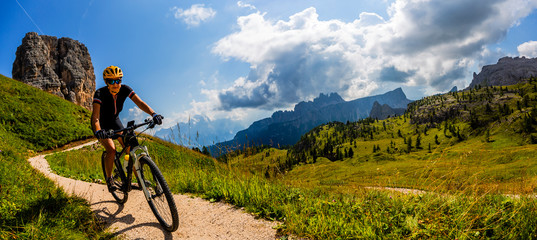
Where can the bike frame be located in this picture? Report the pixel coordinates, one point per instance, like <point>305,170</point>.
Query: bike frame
<point>152,182</point>
<point>137,151</point>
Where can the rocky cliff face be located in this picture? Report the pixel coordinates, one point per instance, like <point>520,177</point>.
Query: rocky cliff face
<point>384,111</point>
<point>59,66</point>
<point>507,71</point>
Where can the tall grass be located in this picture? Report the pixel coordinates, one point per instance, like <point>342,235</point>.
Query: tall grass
<point>322,213</point>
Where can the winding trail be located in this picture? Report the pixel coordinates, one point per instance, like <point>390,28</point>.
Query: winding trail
<point>198,218</point>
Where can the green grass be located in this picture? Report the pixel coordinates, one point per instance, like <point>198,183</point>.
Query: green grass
<point>324,212</point>
<point>31,206</point>
<point>84,164</point>
<point>42,120</point>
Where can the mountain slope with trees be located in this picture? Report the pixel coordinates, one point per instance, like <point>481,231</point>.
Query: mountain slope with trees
<point>471,155</point>
<point>284,128</point>
<point>495,123</point>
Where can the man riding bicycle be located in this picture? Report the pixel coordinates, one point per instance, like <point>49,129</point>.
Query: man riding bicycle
<point>107,104</point>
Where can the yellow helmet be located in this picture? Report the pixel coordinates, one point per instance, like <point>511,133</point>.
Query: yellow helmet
<point>112,72</point>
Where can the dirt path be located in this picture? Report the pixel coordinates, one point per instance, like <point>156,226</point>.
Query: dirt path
<point>198,219</point>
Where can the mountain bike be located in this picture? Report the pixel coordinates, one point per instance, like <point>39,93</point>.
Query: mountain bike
<point>150,179</point>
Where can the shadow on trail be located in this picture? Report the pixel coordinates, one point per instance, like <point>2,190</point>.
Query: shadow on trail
<point>107,217</point>
<point>166,235</point>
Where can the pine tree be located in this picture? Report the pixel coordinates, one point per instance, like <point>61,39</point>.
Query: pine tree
<point>409,144</point>
<point>351,153</point>
<point>418,141</point>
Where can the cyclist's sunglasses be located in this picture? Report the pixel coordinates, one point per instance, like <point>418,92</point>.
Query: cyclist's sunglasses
<point>113,81</point>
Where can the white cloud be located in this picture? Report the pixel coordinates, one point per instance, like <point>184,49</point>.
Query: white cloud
<point>429,43</point>
<point>209,110</point>
<point>195,15</point>
<point>136,114</point>
<point>241,4</point>
<point>528,49</point>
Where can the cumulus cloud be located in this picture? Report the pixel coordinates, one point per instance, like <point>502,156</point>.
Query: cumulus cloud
<point>528,49</point>
<point>428,43</point>
<point>195,15</point>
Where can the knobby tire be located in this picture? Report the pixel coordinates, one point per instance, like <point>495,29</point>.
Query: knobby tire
<point>120,195</point>
<point>161,200</point>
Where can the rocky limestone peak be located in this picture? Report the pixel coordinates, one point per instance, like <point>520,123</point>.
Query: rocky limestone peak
<point>507,71</point>
<point>319,102</point>
<point>59,66</point>
<point>328,99</point>
<point>384,111</point>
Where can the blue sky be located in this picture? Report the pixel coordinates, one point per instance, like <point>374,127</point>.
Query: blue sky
<point>239,61</point>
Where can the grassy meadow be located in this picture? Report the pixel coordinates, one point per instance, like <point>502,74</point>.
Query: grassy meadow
<point>319,205</point>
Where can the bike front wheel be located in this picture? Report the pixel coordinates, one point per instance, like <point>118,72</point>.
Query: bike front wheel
<point>118,194</point>
<point>158,193</point>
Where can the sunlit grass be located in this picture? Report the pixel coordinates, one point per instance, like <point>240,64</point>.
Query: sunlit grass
<point>334,206</point>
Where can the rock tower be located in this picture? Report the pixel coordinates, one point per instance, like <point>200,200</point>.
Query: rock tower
<point>59,66</point>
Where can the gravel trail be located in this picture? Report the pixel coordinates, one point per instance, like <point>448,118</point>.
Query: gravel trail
<point>198,218</point>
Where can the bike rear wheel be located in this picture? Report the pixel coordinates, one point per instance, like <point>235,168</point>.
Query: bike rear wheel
<point>118,194</point>
<point>160,198</point>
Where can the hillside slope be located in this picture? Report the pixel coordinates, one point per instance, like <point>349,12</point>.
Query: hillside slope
<point>488,133</point>
<point>31,206</point>
<point>40,119</point>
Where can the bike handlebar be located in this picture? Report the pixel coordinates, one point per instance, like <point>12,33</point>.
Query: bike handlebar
<point>149,122</point>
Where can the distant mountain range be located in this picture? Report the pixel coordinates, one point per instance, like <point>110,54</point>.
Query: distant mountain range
<point>285,127</point>
<point>200,131</point>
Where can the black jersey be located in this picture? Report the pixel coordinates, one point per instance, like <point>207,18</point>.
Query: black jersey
<point>110,107</point>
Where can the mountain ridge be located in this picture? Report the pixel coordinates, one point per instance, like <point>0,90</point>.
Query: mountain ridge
<point>506,71</point>
<point>285,127</point>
